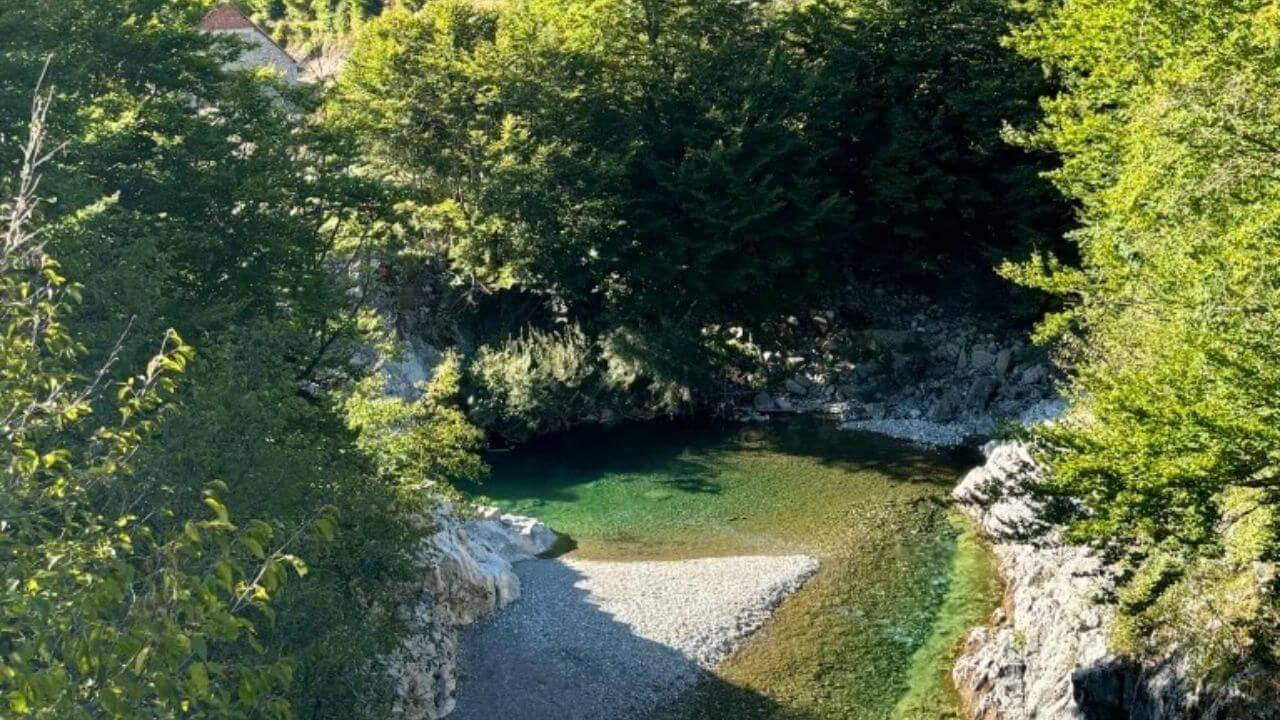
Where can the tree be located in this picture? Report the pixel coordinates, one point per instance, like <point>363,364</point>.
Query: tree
<point>221,210</point>
<point>1167,460</point>
<point>637,169</point>
<point>107,611</point>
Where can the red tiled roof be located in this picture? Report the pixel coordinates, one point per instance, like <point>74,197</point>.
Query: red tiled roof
<point>226,17</point>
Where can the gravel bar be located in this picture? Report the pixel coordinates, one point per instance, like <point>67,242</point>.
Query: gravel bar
<point>594,639</point>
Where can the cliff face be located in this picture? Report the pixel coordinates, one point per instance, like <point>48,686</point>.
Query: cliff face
<point>1044,656</point>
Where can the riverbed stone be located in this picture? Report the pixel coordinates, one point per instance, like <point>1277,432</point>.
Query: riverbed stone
<point>1034,374</point>
<point>616,639</point>
<point>946,407</point>
<point>982,359</point>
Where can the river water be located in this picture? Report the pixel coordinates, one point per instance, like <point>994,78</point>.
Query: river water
<point>871,637</point>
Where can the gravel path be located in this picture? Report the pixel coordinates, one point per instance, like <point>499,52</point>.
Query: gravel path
<point>592,640</point>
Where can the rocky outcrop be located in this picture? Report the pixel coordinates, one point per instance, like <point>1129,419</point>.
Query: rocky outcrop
<point>934,380</point>
<point>1045,655</point>
<point>1050,632</point>
<point>468,574</point>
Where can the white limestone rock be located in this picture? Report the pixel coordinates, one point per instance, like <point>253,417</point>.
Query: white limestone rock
<point>1051,630</point>
<point>467,574</point>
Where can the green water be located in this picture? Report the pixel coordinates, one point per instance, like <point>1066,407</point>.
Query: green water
<point>870,637</point>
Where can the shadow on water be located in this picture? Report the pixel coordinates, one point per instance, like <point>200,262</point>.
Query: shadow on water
<point>689,453</point>
<point>556,655</point>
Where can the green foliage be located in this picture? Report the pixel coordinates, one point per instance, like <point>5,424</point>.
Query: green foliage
<point>635,167</point>
<point>537,382</point>
<point>427,439</point>
<point>667,176</point>
<point>909,100</point>
<point>1167,133</point>
<point>196,199</point>
<point>106,608</point>
<point>305,25</point>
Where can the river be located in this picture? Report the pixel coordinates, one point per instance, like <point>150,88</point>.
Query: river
<point>870,637</point>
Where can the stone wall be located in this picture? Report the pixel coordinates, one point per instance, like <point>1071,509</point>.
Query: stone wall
<point>262,53</point>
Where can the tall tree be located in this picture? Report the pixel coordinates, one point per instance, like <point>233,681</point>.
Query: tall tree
<point>1168,137</point>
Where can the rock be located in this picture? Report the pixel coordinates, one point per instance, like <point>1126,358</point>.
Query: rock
<point>946,407</point>
<point>980,392</point>
<point>795,388</point>
<point>763,402</point>
<point>907,363</point>
<point>1034,374</point>
<point>1045,652</point>
<point>981,359</point>
<point>467,574</point>
<point>1024,664</point>
<point>868,369</point>
<point>1003,360</point>
<point>783,404</point>
<point>891,338</point>
<point>962,361</point>
<point>511,537</point>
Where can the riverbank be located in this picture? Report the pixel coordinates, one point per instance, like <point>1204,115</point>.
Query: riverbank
<point>922,375</point>
<point>610,639</point>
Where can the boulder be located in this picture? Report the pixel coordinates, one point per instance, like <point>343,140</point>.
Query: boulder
<point>891,338</point>
<point>980,392</point>
<point>981,359</point>
<point>1034,374</point>
<point>795,388</point>
<point>946,407</point>
<point>871,368</point>
<point>763,402</point>
<point>1003,359</point>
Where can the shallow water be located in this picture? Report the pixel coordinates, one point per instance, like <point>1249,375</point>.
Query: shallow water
<point>871,636</point>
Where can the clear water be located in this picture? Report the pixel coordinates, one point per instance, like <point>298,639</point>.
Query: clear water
<point>870,637</point>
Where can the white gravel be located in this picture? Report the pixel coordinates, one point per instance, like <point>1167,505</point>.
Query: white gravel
<point>922,432</point>
<point>951,434</point>
<point>592,639</point>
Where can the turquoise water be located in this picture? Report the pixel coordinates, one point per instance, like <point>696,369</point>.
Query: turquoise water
<point>871,636</point>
